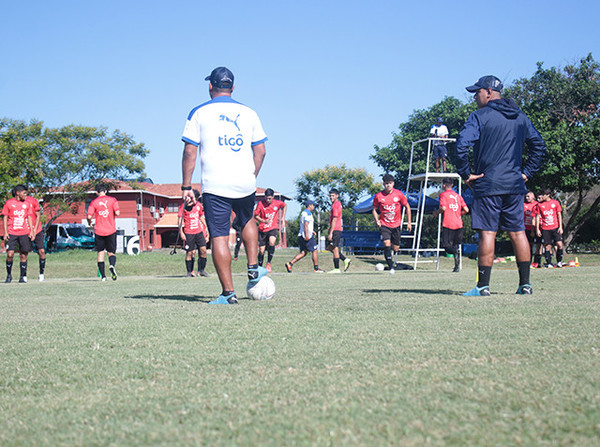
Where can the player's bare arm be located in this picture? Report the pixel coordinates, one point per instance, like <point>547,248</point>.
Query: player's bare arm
<point>409,219</point>
<point>259,152</point>
<point>32,232</point>
<point>188,163</point>
<point>5,237</point>
<point>560,223</point>
<point>376,217</point>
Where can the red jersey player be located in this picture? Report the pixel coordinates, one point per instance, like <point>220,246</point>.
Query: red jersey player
<point>551,227</point>
<point>18,229</point>
<point>267,216</point>
<point>334,235</point>
<point>192,226</point>
<point>531,226</point>
<point>104,209</point>
<point>38,240</point>
<point>454,207</point>
<point>387,212</point>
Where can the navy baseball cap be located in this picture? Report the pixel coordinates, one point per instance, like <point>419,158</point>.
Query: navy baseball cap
<point>440,119</point>
<point>309,202</point>
<point>486,82</point>
<point>221,77</point>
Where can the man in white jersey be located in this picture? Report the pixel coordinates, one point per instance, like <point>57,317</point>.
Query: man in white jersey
<point>306,239</point>
<point>232,149</point>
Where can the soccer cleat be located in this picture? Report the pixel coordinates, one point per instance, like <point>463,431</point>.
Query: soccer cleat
<point>549,266</point>
<point>335,271</point>
<point>225,299</point>
<point>318,271</point>
<point>113,272</point>
<point>456,269</point>
<point>8,279</point>
<point>23,279</point>
<point>392,271</point>
<point>347,262</point>
<point>203,274</point>
<point>268,267</point>
<point>525,289</point>
<point>190,275</point>
<point>254,275</point>
<point>288,267</point>
<point>478,291</point>
<point>235,259</point>
<point>534,265</point>
<point>41,277</point>
<point>103,279</point>
<point>559,265</point>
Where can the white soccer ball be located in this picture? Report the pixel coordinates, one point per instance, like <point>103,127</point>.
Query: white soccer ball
<point>264,289</point>
<point>379,267</point>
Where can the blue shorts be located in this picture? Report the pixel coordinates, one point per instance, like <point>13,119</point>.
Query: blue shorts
<point>307,246</point>
<point>502,212</point>
<point>217,211</point>
<point>440,151</point>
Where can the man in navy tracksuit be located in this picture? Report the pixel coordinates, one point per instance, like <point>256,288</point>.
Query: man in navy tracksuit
<point>497,132</point>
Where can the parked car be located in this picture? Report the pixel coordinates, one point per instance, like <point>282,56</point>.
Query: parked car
<point>68,236</point>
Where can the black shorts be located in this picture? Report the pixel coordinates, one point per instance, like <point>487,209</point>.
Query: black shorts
<point>336,237</point>
<point>108,243</point>
<point>217,210</point>
<point>263,237</point>
<point>440,151</point>
<point>308,246</point>
<point>551,237</point>
<point>451,238</point>
<point>532,238</point>
<point>391,234</point>
<point>23,242</point>
<point>38,241</point>
<point>194,241</point>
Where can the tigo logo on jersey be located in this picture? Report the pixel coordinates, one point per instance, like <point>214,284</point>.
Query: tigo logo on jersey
<point>234,143</point>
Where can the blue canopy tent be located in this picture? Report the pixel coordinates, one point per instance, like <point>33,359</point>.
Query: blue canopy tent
<point>366,206</point>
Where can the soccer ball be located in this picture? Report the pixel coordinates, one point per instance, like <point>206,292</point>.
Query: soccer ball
<point>379,267</point>
<point>264,289</point>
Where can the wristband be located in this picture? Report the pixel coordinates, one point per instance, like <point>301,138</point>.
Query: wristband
<point>186,188</point>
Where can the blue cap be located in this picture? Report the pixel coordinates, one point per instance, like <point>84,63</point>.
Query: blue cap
<point>486,82</point>
<point>221,77</point>
<point>440,119</point>
<point>310,202</point>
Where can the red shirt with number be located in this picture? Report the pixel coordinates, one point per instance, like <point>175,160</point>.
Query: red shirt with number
<point>35,207</point>
<point>454,203</point>
<point>549,211</point>
<point>103,209</point>
<point>192,222</point>
<point>389,207</point>
<point>531,210</point>
<point>17,212</point>
<point>270,213</point>
<point>336,211</point>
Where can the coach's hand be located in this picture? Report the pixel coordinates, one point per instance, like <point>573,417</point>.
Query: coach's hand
<point>472,178</point>
<point>188,197</point>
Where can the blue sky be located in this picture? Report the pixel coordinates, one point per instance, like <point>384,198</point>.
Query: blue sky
<point>328,79</point>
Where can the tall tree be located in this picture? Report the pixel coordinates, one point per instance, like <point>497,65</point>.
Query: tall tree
<point>563,104</point>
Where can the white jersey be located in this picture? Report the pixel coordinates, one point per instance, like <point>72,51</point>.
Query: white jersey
<point>439,131</point>
<point>306,216</point>
<point>225,131</point>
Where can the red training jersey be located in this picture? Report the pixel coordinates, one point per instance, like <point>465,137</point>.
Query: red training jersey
<point>35,207</point>
<point>454,203</point>
<point>389,207</point>
<point>336,211</point>
<point>269,212</point>
<point>103,209</point>
<point>17,212</point>
<point>549,211</point>
<point>531,210</point>
<point>192,222</point>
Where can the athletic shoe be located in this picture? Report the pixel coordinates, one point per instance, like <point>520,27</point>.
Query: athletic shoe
<point>203,274</point>
<point>549,266</point>
<point>318,271</point>
<point>335,271</point>
<point>235,259</point>
<point>254,275</point>
<point>525,289</point>
<point>8,279</point>
<point>456,269</point>
<point>347,262</point>
<point>113,272</point>
<point>268,267</point>
<point>103,279</point>
<point>225,299</point>
<point>23,279</point>
<point>534,265</point>
<point>190,275</point>
<point>559,265</point>
<point>41,277</point>
<point>288,267</point>
<point>392,271</point>
<point>478,291</point>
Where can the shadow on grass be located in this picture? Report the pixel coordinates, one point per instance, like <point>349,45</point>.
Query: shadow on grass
<point>189,298</point>
<point>417,291</point>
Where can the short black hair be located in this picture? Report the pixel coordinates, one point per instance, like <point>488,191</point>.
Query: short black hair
<point>269,192</point>
<point>17,189</point>
<point>546,192</point>
<point>447,181</point>
<point>334,191</point>
<point>101,187</point>
<point>196,194</point>
<point>388,178</point>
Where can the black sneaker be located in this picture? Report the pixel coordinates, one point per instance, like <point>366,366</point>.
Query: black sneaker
<point>456,269</point>
<point>113,272</point>
<point>525,289</point>
<point>23,279</point>
<point>288,267</point>
<point>8,279</point>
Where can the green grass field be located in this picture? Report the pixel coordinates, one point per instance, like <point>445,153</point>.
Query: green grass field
<point>362,358</point>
